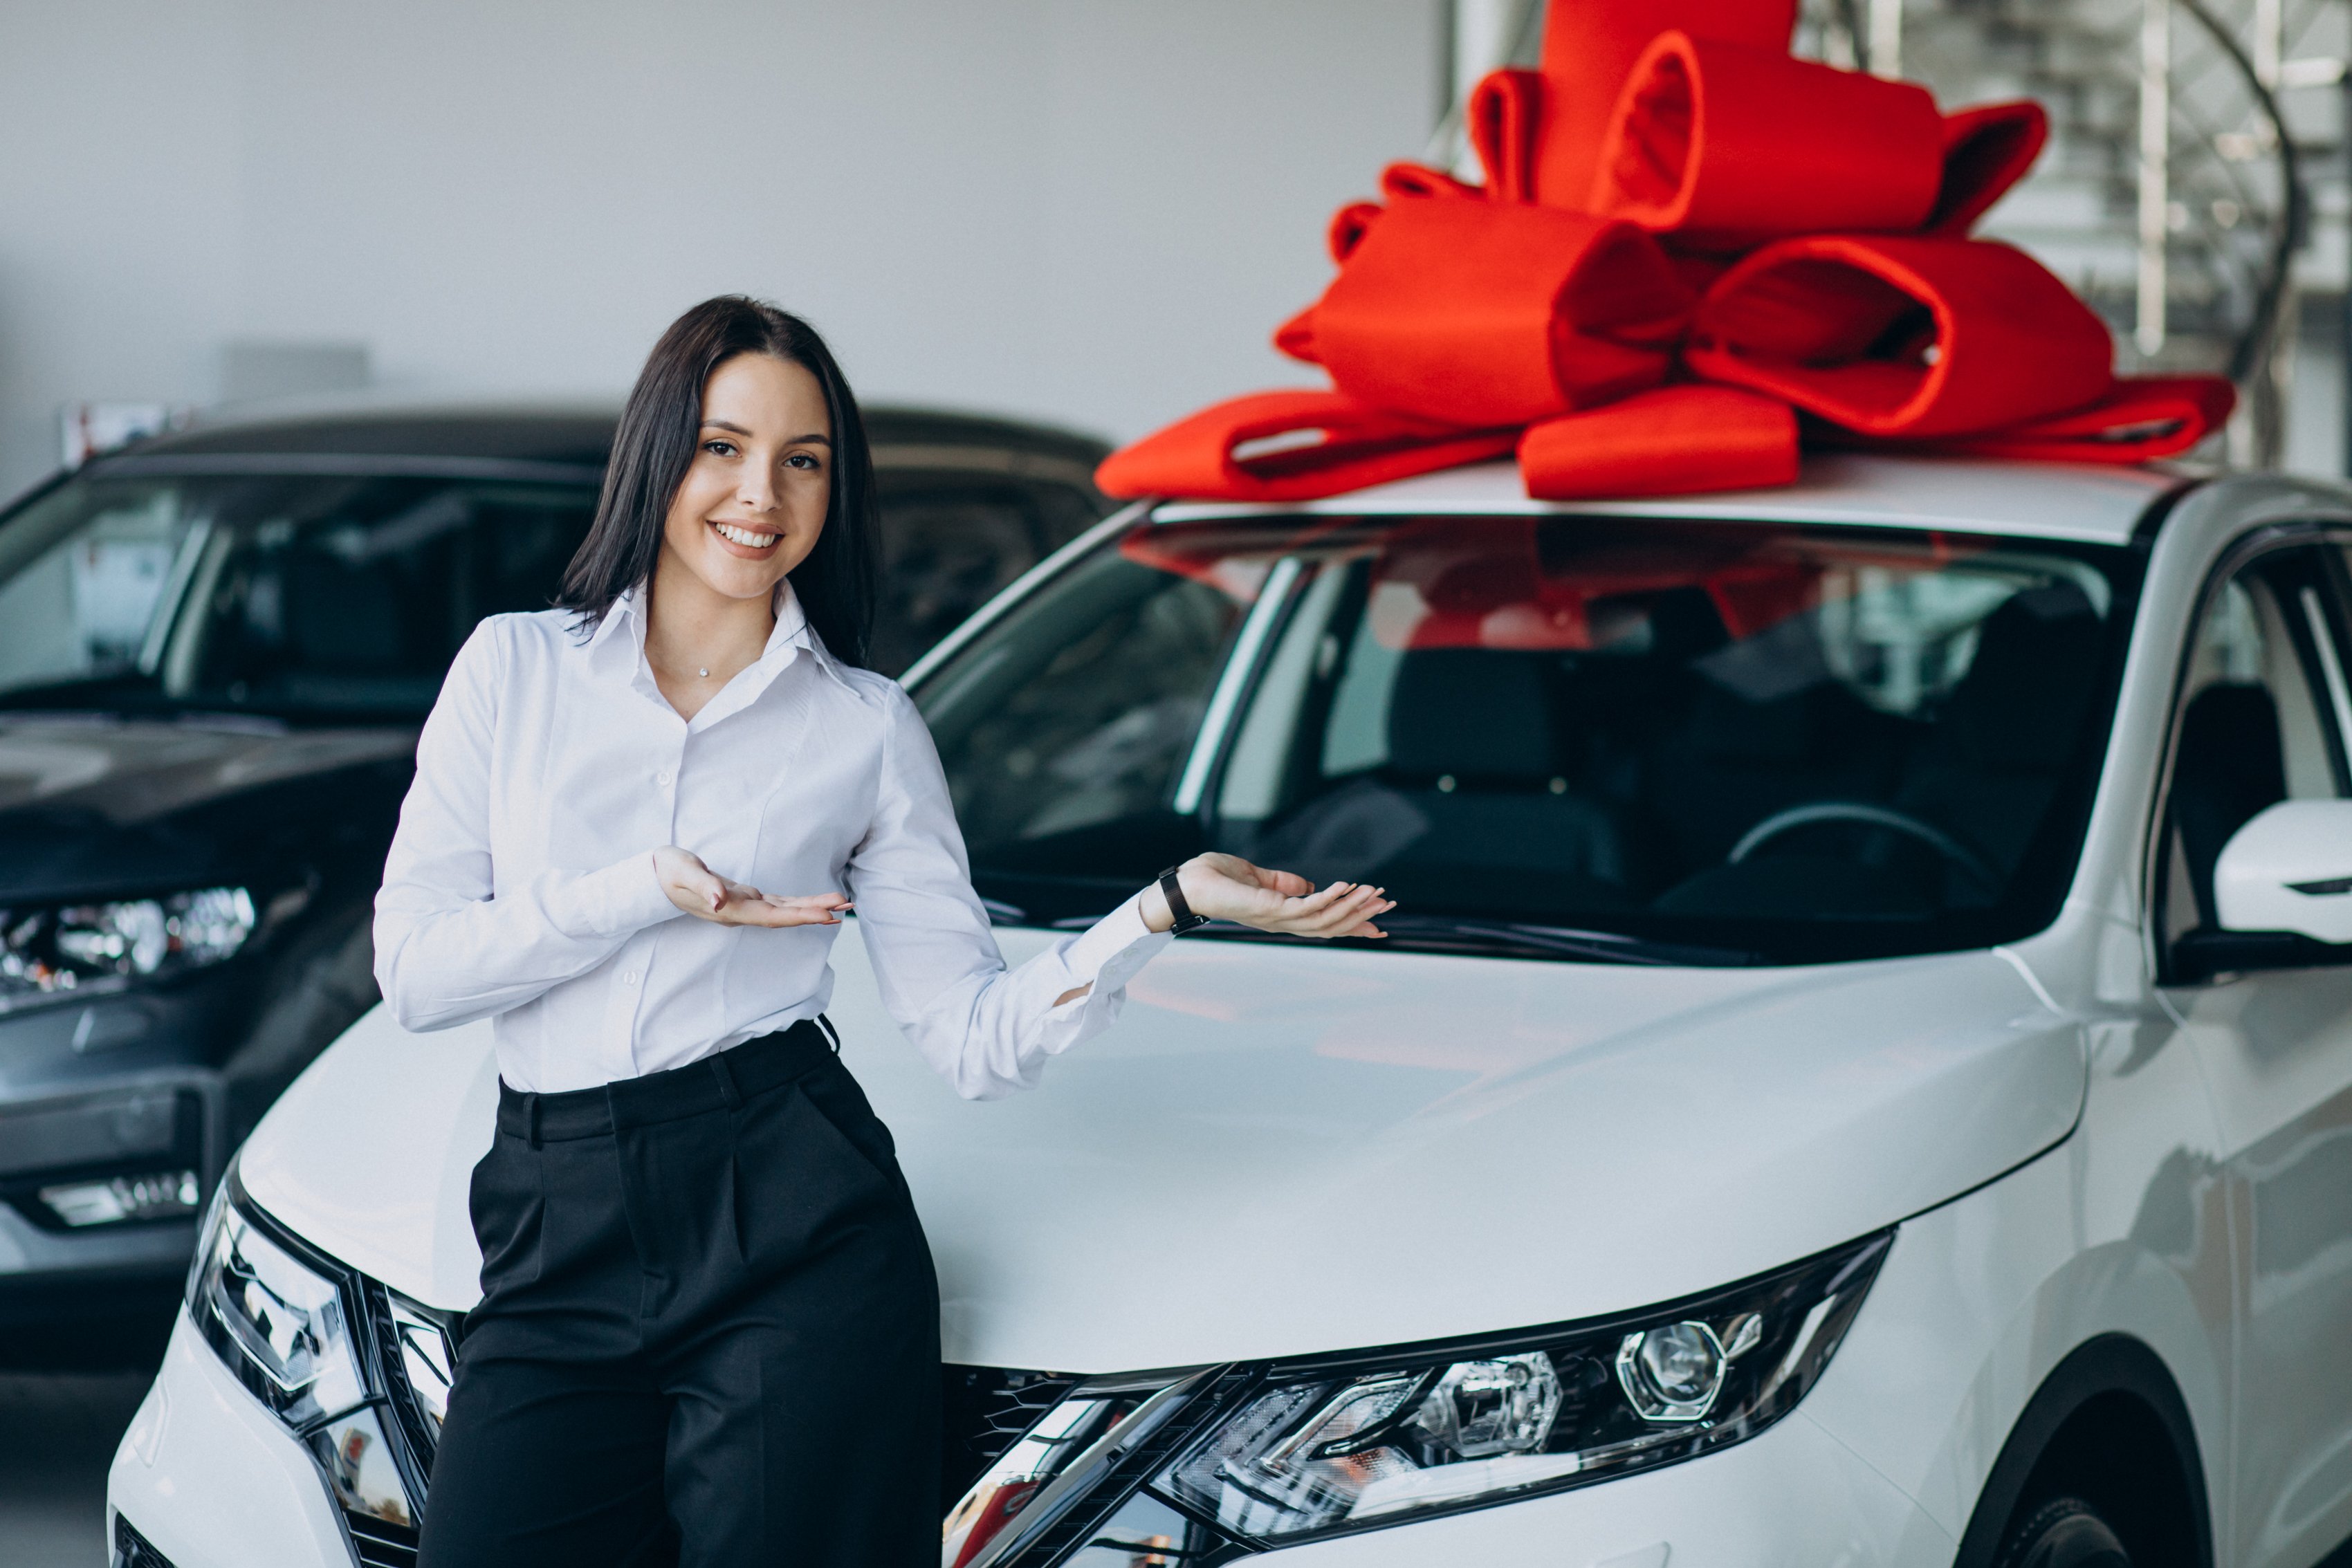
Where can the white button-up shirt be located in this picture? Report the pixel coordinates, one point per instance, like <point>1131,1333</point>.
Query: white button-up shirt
<point>520,885</point>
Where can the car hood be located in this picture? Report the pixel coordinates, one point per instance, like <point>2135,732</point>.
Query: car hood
<point>91,805</point>
<point>1280,1150</point>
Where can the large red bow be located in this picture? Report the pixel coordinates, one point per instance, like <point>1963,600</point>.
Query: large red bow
<point>1686,237</point>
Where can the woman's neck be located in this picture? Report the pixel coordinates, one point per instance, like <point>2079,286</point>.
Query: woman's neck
<point>697,640</point>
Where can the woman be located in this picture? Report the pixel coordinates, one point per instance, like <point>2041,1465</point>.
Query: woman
<point>709,1327</point>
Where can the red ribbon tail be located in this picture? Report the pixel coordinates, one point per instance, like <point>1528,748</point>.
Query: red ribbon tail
<point>1675,440</point>
<point>2140,418</point>
<point>1290,446</point>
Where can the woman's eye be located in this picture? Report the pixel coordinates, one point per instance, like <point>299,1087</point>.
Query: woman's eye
<point>804,460</point>
<point>720,448</point>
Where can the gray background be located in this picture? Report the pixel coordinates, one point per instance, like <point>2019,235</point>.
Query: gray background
<point>1089,211</point>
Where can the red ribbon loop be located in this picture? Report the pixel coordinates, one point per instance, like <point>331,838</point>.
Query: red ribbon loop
<point>1725,145</point>
<point>1891,336</point>
<point>1500,118</point>
<point>1490,313</point>
<point>1589,46</point>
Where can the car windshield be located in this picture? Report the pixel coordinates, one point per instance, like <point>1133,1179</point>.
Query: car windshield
<point>297,596</point>
<point>1650,739</point>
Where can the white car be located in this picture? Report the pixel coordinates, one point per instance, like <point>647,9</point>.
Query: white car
<point>1862,1072</point>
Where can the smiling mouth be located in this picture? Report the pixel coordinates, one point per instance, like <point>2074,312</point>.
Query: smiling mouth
<point>749,538</point>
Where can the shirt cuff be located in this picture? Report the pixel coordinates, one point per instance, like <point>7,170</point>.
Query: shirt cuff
<point>625,896</point>
<point>1116,935</point>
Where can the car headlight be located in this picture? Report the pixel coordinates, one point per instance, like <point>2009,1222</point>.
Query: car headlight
<point>284,1324</point>
<point>1268,1456</point>
<point>54,952</point>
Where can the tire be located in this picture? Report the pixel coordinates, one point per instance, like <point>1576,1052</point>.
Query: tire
<point>2065,1533</point>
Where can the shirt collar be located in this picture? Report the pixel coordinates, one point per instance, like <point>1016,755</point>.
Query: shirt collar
<point>618,644</point>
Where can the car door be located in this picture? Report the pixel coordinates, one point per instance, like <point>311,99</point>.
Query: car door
<point>2261,715</point>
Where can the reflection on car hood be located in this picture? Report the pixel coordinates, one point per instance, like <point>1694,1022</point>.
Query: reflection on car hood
<point>1282,1150</point>
<point>92,804</point>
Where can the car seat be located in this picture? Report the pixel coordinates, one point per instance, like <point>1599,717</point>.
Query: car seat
<point>2007,731</point>
<point>1470,807</point>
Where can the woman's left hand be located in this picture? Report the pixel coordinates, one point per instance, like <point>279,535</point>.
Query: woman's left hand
<point>1227,887</point>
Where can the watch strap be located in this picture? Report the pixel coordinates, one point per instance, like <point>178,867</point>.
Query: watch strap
<point>1181,911</point>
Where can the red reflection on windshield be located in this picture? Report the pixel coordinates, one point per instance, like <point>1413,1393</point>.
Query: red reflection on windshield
<point>1530,584</point>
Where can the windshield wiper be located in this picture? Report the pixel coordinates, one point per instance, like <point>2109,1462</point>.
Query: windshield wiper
<point>1506,939</point>
<point>1556,941</point>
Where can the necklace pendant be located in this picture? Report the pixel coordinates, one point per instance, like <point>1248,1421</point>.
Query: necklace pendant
<point>706,674</point>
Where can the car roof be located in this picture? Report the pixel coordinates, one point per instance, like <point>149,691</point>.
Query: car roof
<point>2092,504</point>
<point>557,441</point>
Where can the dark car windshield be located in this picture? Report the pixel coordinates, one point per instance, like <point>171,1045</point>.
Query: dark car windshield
<point>1589,735</point>
<point>302,596</point>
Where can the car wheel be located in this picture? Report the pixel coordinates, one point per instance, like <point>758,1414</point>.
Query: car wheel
<point>2066,1532</point>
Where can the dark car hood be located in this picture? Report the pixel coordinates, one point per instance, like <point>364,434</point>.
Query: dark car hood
<point>93,805</point>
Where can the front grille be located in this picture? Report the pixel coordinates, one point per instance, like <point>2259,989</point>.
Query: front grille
<point>132,1550</point>
<point>982,1410</point>
<point>409,1431</point>
<point>380,1546</point>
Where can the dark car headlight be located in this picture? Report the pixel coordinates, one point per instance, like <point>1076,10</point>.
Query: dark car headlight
<point>59,951</point>
<point>1271,1455</point>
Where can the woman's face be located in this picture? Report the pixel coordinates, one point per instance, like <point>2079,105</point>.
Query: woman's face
<point>753,501</point>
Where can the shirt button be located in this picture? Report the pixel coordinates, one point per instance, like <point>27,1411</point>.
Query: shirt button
<point>662,776</point>
<point>629,978</point>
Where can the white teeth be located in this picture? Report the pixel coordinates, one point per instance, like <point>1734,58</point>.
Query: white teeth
<point>745,536</point>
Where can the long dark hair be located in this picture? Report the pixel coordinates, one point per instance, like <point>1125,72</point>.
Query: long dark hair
<point>655,445</point>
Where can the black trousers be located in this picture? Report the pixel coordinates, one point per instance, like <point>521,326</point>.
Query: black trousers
<point>708,1332</point>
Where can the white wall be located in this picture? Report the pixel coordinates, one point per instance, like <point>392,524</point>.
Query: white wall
<point>1091,211</point>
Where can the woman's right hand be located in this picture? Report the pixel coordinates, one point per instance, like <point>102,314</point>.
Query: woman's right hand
<point>705,894</point>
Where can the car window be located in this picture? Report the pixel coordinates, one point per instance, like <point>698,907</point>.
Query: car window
<point>2263,711</point>
<point>83,578</point>
<point>950,542</point>
<point>302,596</point>
<point>1792,741</point>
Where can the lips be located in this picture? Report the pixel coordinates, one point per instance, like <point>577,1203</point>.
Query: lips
<point>751,542</point>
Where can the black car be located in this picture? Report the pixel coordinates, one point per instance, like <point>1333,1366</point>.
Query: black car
<point>216,648</point>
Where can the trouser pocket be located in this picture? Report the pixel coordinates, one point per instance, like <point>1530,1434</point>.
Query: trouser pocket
<point>834,1093</point>
<point>507,1202</point>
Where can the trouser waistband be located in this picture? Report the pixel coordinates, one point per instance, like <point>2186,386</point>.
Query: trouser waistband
<point>720,1081</point>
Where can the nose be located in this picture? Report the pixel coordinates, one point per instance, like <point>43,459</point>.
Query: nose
<point>756,490</point>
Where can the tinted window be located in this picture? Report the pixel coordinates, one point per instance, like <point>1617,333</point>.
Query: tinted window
<point>1785,742</point>
<point>951,541</point>
<point>303,596</point>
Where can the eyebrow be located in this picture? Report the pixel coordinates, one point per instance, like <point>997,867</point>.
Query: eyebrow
<point>817,436</point>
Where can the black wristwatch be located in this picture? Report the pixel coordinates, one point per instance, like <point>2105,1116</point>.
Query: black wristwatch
<point>1173,891</point>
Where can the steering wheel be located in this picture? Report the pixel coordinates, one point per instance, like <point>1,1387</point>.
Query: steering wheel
<point>1970,863</point>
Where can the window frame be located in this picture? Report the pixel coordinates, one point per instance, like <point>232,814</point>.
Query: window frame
<point>2325,541</point>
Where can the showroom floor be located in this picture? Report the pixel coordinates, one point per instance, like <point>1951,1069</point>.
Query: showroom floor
<point>57,1432</point>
